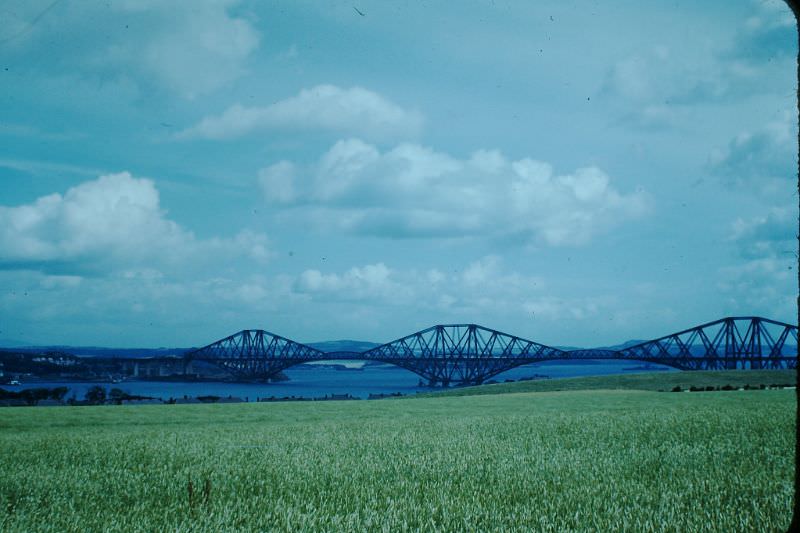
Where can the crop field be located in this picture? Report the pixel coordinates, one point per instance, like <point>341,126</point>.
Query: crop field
<point>653,381</point>
<point>594,460</point>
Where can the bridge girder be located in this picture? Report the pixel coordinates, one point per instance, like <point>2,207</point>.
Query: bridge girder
<point>460,353</point>
<point>255,354</point>
<point>470,354</point>
<point>727,343</point>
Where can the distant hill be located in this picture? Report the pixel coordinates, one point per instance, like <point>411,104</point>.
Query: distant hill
<point>13,343</point>
<point>343,346</point>
<point>97,351</point>
<point>626,344</point>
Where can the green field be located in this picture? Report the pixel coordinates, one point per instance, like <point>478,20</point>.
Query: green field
<point>592,460</point>
<point>653,381</point>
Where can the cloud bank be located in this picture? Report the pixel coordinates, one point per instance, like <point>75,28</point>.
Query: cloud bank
<point>414,191</point>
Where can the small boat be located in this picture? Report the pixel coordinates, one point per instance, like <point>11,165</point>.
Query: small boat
<point>14,382</point>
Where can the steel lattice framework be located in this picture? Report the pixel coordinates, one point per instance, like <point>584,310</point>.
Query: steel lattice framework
<point>728,343</point>
<point>255,354</point>
<point>460,353</point>
<point>470,354</point>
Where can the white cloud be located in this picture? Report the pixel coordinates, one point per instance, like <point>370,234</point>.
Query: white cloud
<point>771,235</point>
<point>113,222</point>
<point>125,307</point>
<point>414,191</point>
<point>657,88</point>
<point>191,48</point>
<point>358,283</point>
<point>353,111</point>
<point>763,287</point>
<point>764,159</point>
<point>770,33</point>
<point>482,271</point>
<point>764,282</point>
<point>485,287</point>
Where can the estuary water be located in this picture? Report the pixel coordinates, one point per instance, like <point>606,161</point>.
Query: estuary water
<point>319,382</point>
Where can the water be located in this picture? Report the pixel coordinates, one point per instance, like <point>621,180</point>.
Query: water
<point>319,382</point>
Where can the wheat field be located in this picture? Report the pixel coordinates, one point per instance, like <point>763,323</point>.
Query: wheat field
<point>550,461</point>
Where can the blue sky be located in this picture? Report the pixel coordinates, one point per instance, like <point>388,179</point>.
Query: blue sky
<point>573,173</point>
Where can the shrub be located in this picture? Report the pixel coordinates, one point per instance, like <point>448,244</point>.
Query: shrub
<point>96,395</point>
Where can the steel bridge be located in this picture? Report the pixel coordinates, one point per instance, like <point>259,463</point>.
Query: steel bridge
<point>468,354</point>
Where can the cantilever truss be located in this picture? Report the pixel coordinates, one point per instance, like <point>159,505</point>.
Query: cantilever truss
<point>728,343</point>
<point>255,354</point>
<point>460,353</point>
<point>471,354</point>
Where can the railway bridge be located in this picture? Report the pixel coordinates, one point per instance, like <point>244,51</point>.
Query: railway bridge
<point>469,354</point>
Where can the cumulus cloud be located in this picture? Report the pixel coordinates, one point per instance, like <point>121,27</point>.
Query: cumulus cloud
<point>769,33</point>
<point>414,191</point>
<point>764,281</point>
<point>368,282</point>
<point>190,48</point>
<point>771,235</point>
<point>646,86</point>
<point>198,46</point>
<point>115,221</point>
<point>655,88</point>
<point>484,287</point>
<point>763,286</point>
<point>353,111</point>
<point>765,159</point>
<point>759,58</point>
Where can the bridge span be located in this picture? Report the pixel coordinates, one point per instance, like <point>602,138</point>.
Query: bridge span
<point>469,354</point>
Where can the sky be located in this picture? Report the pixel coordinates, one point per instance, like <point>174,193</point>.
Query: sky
<point>574,173</point>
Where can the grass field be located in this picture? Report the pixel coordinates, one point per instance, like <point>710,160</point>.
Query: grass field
<point>653,381</point>
<point>593,460</point>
